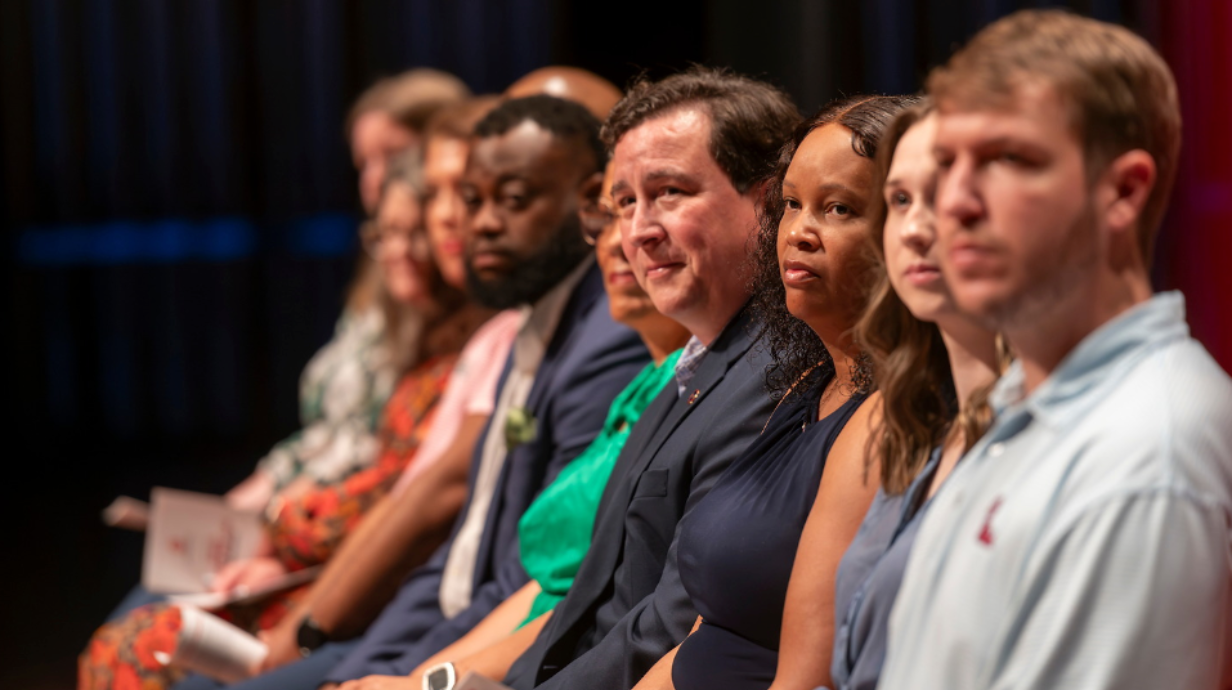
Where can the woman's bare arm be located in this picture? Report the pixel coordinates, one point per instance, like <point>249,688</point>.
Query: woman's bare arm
<point>406,534</point>
<point>492,661</point>
<point>492,630</point>
<point>252,494</point>
<point>397,535</point>
<point>847,488</point>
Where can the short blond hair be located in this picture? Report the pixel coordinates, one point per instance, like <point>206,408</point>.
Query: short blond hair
<point>457,120</point>
<point>410,98</point>
<point>1120,93</point>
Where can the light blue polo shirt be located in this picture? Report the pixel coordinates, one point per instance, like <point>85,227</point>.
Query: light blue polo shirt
<point>1086,540</point>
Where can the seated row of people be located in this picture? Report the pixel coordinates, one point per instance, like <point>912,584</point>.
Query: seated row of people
<point>343,389</point>
<point>413,250</point>
<point>827,472</point>
<point>426,319</point>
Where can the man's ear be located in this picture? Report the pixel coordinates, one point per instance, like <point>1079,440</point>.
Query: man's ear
<point>588,191</point>
<point>757,191</point>
<point>1129,180</point>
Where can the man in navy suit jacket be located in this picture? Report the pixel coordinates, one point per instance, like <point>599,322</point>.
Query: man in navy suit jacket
<point>532,162</point>
<point>688,152</point>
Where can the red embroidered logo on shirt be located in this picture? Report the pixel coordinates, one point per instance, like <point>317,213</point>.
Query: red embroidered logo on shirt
<point>985,536</point>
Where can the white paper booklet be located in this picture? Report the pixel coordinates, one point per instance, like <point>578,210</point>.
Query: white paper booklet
<point>213,647</point>
<point>243,595</point>
<point>474,681</point>
<point>190,536</point>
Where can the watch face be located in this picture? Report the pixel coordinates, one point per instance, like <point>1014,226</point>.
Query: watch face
<point>439,679</point>
<point>309,637</point>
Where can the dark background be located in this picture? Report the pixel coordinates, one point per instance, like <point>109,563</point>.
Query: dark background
<point>179,213</point>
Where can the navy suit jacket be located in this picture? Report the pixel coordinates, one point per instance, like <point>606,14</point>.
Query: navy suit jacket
<point>627,607</point>
<point>588,361</point>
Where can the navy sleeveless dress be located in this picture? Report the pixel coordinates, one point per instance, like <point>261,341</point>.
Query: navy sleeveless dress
<point>737,547</point>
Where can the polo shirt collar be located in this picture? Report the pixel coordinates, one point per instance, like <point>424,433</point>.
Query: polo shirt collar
<point>1099,360</point>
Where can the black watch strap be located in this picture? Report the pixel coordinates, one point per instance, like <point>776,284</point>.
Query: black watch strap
<point>310,637</point>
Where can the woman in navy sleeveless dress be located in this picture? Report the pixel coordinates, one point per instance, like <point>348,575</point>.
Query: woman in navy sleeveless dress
<point>737,546</point>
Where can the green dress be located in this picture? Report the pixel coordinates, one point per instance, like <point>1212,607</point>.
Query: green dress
<point>554,533</point>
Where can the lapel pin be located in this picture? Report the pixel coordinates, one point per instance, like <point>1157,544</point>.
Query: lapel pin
<point>693,398</point>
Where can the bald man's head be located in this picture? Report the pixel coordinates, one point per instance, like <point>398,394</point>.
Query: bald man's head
<point>570,83</point>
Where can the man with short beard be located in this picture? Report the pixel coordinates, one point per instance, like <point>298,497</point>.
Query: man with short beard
<point>1084,541</point>
<point>532,162</point>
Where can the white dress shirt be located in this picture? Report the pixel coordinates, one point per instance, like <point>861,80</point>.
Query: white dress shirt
<point>539,323</point>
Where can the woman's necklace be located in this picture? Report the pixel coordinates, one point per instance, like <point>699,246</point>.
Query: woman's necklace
<point>832,387</point>
<point>788,395</point>
<point>829,390</point>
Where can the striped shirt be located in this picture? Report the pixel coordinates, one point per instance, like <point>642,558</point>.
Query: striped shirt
<point>690,360</point>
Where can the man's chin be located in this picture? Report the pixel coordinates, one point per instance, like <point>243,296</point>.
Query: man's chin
<point>492,294</point>
<point>488,277</point>
<point>505,291</point>
<point>671,303</point>
<point>989,308</point>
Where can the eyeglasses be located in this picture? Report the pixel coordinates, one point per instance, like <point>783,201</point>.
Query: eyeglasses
<point>377,239</point>
<point>597,218</point>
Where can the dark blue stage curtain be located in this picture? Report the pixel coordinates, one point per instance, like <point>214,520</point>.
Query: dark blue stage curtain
<point>179,193</point>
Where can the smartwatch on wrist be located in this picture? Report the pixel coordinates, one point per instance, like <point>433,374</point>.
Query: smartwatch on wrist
<point>310,637</point>
<point>440,677</point>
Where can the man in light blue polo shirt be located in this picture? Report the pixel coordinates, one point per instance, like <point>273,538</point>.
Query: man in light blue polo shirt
<point>1085,541</point>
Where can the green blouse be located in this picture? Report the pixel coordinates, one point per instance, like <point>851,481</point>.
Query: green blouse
<point>554,533</point>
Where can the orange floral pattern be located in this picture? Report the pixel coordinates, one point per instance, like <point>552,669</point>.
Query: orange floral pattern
<point>308,529</point>
<point>124,655</point>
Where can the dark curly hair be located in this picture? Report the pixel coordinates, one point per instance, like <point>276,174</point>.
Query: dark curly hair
<point>564,119</point>
<point>793,346</point>
<point>748,118</point>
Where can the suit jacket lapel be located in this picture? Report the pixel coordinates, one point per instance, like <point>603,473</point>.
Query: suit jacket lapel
<point>727,349</point>
<point>640,436</point>
<point>671,410</point>
<point>588,290</point>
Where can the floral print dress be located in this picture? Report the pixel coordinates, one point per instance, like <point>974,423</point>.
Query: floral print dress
<point>342,393</point>
<point>131,653</point>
